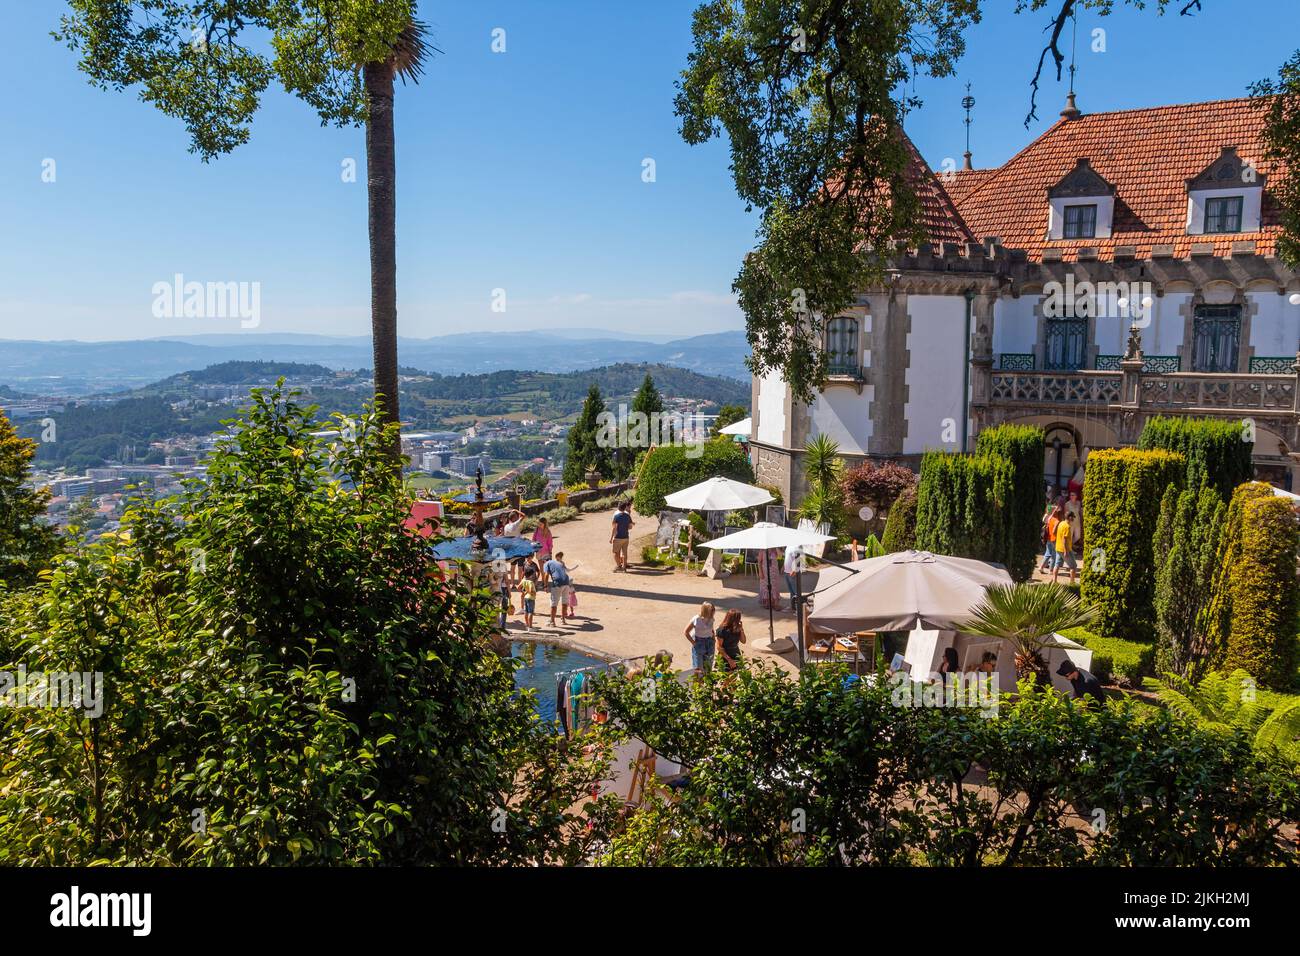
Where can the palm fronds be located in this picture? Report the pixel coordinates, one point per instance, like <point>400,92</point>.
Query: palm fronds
<point>1027,615</point>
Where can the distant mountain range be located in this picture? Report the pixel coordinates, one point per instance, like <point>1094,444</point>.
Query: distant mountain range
<point>86,368</point>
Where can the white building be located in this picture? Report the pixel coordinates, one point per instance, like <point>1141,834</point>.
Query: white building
<point>1123,265</point>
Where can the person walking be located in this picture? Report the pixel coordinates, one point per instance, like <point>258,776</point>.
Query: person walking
<point>793,567</point>
<point>1050,519</point>
<point>546,544</point>
<point>620,533</point>
<point>1064,549</point>
<point>703,639</point>
<point>731,634</point>
<point>557,573</point>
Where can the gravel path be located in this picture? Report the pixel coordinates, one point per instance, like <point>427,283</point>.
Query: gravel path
<point>644,610</point>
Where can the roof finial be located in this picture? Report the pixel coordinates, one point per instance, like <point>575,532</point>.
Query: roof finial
<point>1071,111</point>
<point>967,102</point>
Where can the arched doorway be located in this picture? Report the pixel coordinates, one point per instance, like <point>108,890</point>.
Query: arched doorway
<point>1062,451</point>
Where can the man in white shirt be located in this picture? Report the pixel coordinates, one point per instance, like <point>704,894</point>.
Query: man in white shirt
<point>793,566</point>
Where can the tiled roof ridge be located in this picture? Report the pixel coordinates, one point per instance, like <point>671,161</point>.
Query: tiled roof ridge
<point>1164,106</point>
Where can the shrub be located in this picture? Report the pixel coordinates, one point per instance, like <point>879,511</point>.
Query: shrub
<point>881,784</point>
<point>1215,450</point>
<point>961,503</point>
<point>668,468</point>
<point>279,658</point>
<point>876,484</point>
<point>1186,544</point>
<point>1121,507</point>
<point>1022,445</point>
<point>900,526</point>
<point>1216,617</point>
<point>1263,589</point>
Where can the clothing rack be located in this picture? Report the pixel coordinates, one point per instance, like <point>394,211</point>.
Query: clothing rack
<point>571,710</point>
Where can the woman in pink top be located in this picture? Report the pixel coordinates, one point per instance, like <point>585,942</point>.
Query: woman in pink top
<point>543,537</point>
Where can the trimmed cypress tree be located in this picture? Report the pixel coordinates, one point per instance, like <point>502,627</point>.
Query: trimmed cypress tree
<point>1216,618</point>
<point>1186,545</point>
<point>1120,514</point>
<point>1261,640</point>
<point>585,451</point>
<point>1022,445</point>
<point>900,526</point>
<point>961,505</point>
<point>1217,450</point>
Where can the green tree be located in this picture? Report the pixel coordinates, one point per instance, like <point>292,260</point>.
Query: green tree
<point>961,503</point>
<point>1121,508</point>
<point>729,415</point>
<point>281,668</point>
<point>587,449</point>
<point>671,468</point>
<point>1022,445</point>
<point>208,63</point>
<point>1218,452</point>
<point>807,94</point>
<point>1186,545</point>
<point>1027,615</point>
<point>26,542</point>
<point>900,526</point>
<point>647,399</point>
<point>1262,638</point>
<point>1215,622</point>
<point>823,505</point>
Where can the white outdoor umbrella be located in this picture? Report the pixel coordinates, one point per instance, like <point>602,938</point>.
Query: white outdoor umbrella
<point>718,494</point>
<point>741,427</point>
<point>904,591</point>
<point>764,536</point>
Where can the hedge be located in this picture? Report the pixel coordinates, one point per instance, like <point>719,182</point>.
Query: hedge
<point>1216,451</point>
<point>1022,445</point>
<point>1261,640</point>
<point>961,504</point>
<point>1215,622</point>
<point>1115,660</point>
<point>900,526</point>
<point>1121,507</point>
<point>669,468</point>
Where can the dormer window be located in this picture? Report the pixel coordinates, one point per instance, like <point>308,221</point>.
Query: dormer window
<point>1223,213</point>
<point>1082,205</point>
<point>1080,222</point>
<point>1225,197</point>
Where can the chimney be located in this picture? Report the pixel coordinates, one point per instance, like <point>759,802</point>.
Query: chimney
<point>966,161</point>
<point>1071,111</point>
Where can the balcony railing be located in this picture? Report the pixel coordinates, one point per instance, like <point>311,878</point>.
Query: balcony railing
<point>1180,391</point>
<point>1191,390</point>
<point>1053,388</point>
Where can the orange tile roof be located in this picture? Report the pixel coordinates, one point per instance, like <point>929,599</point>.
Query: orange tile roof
<point>962,182</point>
<point>940,219</point>
<point>1148,154</point>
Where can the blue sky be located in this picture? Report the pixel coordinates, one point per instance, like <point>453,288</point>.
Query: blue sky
<point>518,171</point>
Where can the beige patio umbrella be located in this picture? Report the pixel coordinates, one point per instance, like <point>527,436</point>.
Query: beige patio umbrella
<point>903,591</point>
<point>719,494</point>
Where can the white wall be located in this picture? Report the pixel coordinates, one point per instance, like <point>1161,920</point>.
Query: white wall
<point>934,375</point>
<point>842,414</point>
<point>1165,334</point>
<point>771,409</point>
<point>1252,197</point>
<point>1275,328</point>
<point>1015,327</point>
<point>1105,214</point>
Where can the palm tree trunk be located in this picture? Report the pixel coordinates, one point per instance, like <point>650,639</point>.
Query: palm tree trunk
<point>381,176</point>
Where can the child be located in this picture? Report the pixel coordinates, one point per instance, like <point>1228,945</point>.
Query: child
<point>528,590</point>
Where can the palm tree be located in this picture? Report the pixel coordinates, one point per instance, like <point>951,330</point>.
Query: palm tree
<point>1221,703</point>
<point>823,505</point>
<point>1026,615</point>
<point>405,59</point>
